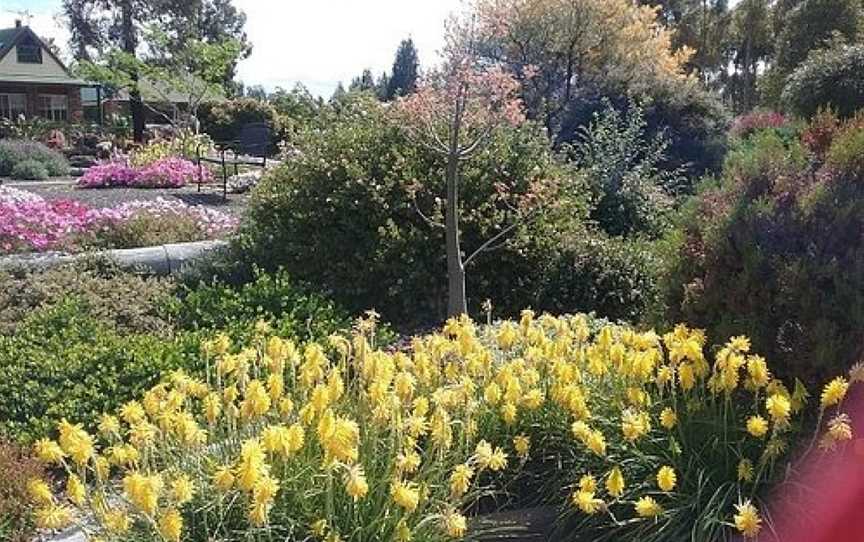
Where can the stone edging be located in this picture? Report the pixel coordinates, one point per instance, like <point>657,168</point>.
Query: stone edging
<point>159,260</point>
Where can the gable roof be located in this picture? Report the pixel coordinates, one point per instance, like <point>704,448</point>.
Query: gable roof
<point>9,37</point>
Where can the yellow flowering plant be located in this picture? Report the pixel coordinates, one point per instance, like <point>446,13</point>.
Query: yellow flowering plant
<point>339,440</point>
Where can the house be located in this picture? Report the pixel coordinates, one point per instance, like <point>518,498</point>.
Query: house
<point>33,81</point>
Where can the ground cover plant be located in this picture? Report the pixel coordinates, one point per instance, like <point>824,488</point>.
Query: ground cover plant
<point>30,223</point>
<point>168,172</point>
<point>655,437</point>
<point>28,160</point>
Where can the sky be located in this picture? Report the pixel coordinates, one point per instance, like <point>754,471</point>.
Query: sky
<point>316,42</point>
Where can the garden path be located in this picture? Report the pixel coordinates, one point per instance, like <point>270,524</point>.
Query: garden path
<point>109,197</point>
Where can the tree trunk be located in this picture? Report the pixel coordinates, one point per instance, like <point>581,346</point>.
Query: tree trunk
<point>130,44</point>
<point>456,299</point>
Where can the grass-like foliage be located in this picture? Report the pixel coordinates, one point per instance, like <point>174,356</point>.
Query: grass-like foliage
<point>653,437</point>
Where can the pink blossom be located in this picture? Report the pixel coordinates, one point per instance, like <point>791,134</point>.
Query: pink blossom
<point>171,172</point>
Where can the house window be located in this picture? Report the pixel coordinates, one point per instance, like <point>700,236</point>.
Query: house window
<point>53,107</point>
<point>12,106</point>
<point>29,53</point>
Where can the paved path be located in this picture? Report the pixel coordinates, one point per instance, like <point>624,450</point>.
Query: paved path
<point>210,196</point>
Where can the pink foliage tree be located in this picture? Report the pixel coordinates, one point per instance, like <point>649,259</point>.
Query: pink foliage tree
<point>454,113</point>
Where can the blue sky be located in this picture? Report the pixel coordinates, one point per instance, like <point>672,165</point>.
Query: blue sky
<point>317,42</point>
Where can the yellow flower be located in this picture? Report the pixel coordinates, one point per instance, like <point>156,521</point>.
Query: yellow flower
<point>634,425</point>
<point>75,490</point>
<point>39,492</point>
<point>256,401</point>
<point>778,407</point>
<point>408,461</point>
<point>747,519</point>
<point>615,482</point>
<point>403,531</point>
<point>143,491</point>
<point>223,478</point>
<point>116,521</point>
<point>171,525</point>
<point>840,428</point>
<point>745,470</point>
<point>182,489</point>
<point>75,442</point>
<point>252,464</point>
<point>319,528</point>
<point>757,426</point>
<point>686,376</point>
<point>405,494</point>
<point>596,442</point>
<point>355,483</point>
<point>834,392</point>
<point>109,425</point>
<point>265,489</point>
<point>498,460</point>
<point>666,478</point>
<point>483,454</point>
<point>668,418</point>
<point>585,501</point>
<point>757,369</point>
<point>339,437</point>
<point>522,445</point>
<point>132,412</point>
<point>53,517</point>
<point>212,407</point>
<point>647,507</point>
<point>455,524</point>
<point>508,413</point>
<point>102,468</point>
<point>588,483</point>
<point>48,451</point>
<point>460,480</point>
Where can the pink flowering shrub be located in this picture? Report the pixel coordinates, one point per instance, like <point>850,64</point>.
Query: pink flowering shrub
<point>745,125</point>
<point>171,172</point>
<point>114,173</point>
<point>29,223</point>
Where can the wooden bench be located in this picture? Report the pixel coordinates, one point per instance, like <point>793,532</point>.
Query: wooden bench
<point>251,149</point>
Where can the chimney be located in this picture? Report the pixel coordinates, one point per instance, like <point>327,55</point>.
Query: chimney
<point>17,23</point>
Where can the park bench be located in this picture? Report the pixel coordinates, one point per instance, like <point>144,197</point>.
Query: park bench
<point>250,149</point>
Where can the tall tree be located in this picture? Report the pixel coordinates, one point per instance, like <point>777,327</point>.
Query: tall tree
<point>363,83</point>
<point>406,66</point>
<point>555,46</point>
<point>750,46</point>
<point>100,29</point>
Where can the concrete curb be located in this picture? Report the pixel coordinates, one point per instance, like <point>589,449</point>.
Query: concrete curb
<point>159,260</point>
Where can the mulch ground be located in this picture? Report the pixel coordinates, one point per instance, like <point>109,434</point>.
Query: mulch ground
<point>210,196</point>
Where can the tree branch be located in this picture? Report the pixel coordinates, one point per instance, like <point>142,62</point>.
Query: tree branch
<point>497,236</point>
<point>427,219</point>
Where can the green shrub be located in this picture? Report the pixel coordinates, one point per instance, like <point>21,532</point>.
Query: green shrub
<point>632,192</point>
<point>12,152</point>
<point>343,215</point>
<point>126,302</point>
<point>63,363</point>
<point>17,468</point>
<point>828,78</point>
<point>291,310</point>
<point>774,249</point>
<point>29,170</point>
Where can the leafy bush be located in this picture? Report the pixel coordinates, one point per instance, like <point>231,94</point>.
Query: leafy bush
<point>12,152</point>
<point>63,363</point>
<point>829,78</point>
<point>745,125</point>
<point>125,302</point>
<point>29,170</point>
<point>17,469</point>
<point>344,441</point>
<point>693,120</point>
<point>632,193</point>
<point>352,192</point>
<point>774,248</point>
<point>291,310</point>
<point>223,121</point>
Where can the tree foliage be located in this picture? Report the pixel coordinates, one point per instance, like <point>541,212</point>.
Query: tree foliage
<point>406,66</point>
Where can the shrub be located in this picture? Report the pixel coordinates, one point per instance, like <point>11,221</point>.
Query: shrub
<point>17,469</point>
<point>62,362</point>
<point>632,193</point>
<point>29,170</point>
<point>774,248</point>
<point>353,190</point>
<point>122,301</point>
<point>828,78</point>
<point>343,441</point>
<point>293,310</point>
<point>694,121</point>
<point>107,174</point>
<point>745,125</point>
<point>12,152</point>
